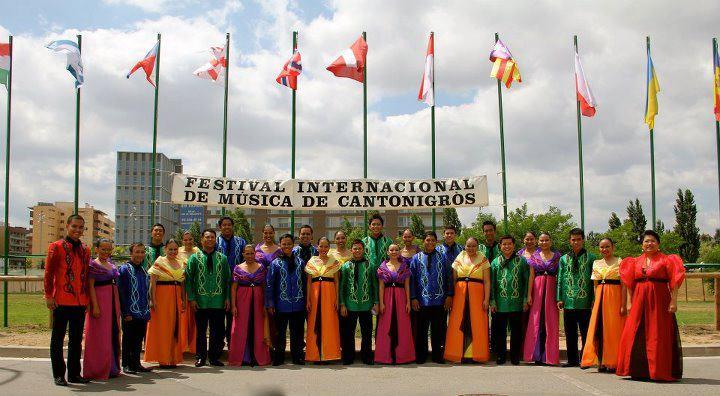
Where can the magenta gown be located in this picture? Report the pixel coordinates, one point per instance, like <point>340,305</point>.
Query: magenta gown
<point>542,337</point>
<point>101,358</point>
<point>393,338</point>
<point>247,341</point>
<point>265,258</point>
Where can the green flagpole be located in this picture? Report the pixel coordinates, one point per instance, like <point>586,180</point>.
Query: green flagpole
<point>652,155</point>
<point>502,152</point>
<point>292,165</point>
<point>77,137</point>
<point>364,35</point>
<point>7,189</point>
<point>580,150</point>
<point>155,121</point>
<point>717,124</point>
<point>225,108</point>
<point>432,123</point>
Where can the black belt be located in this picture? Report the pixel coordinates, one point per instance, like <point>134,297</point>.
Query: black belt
<point>656,280</point>
<point>609,281</point>
<point>322,279</point>
<point>253,284</point>
<point>468,279</point>
<point>394,284</point>
<point>545,273</point>
<point>105,282</point>
<point>168,283</point>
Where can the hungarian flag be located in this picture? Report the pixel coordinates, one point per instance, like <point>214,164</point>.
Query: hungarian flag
<point>504,68</point>
<point>584,93</point>
<point>148,64</point>
<point>290,71</point>
<point>716,88</point>
<point>351,62</point>
<point>4,63</point>
<point>427,89</point>
<point>215,68</point>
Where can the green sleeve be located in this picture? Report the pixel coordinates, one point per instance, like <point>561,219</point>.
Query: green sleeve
<point>374,283</point>
<point>342,284</point>
<point>560,279</point>
<point>190,277</point>
<point>493,289</point>
<point>226,277</point>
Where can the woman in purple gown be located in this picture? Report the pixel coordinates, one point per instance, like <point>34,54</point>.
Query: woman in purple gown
<point>102,322</point>
<point>268,250</point>
<point>542,337</point>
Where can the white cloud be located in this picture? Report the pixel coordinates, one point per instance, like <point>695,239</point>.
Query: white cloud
<point>155,6</point>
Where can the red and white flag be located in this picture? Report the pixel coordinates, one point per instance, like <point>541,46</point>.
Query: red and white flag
<point>216,66</point>
<point>584,93</point>
<point>427,88</point>
<point>291,70</point>
<point>351,62</point>
<point>147,64</point>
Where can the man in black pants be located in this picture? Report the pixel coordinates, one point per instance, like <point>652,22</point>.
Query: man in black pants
<point>65,284</point>
<point>133,292</point>
<point>431,291</point>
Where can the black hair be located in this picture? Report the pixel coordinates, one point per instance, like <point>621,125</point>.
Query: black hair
<point>136,244</point>
<point>430,233</point>
<point>358,242</point>
<point>376,216</point>
<point>577,231</point>
<point>210,230</point>
<point>474,239</point>
<point>232,222</point>
<point>450,227</point>
<point>323,238</point>
<point>490,223</point>
<point>339,231</point>
<point>101,241</point>
<point>510,237</point>
<point>269,225</point>
<point>249,245</point>
<point>157,225</point>
<point>609,240</point>
<point>287,236</point>
<point>306,226</point>
<point>652,234</point>
<point>531,233</point>
<point>172,240</point>
<point>545,233</point>
<point>74,217</point>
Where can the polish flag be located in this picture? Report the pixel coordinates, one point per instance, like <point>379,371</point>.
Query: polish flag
<point>147,64</point>
<point>427,89</point>
<point>351,62</point>
<point>584,93</point>
<point>215,68</point>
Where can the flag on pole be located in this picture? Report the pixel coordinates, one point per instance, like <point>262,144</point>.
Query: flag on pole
<point>504,68</point>
<point>147,64</point>
<point>653,87</point>
<point>427,89</point>
<point>716,70</point>
<point>584,93</point>
<point>290,71</point>
<point>351,62</point>
<point>216,67</point>
<point>74,60</point>
<point>4,63</point>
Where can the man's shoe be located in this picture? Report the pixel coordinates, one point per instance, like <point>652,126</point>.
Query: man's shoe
<point>277,363</point>
<point>141,369</point>
<point>129,370</point>
<point>78,380</point>
<point>199,362</point>
<point>500,362</point>
<point>299,362</point>
<point>515,362</point>
<point>571,364</point>
<point>217,363</point>
<point>60,381</point>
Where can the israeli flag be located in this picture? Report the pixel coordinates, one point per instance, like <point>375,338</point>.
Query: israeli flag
<point>74,61</point>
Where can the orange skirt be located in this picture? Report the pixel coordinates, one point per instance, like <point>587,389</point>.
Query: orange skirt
<point>606,327</point>
<point>187,321</point>
<point>467,333</point>
<point>323,338</point>
<point>166,336</point>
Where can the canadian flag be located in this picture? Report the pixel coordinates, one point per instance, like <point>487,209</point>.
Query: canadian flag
<point>215,68</point>
<point>427,90</point>
<point>351,62</point>
<point>584,93</point>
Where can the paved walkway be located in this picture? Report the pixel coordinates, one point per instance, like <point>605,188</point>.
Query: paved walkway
<point>32,377</point>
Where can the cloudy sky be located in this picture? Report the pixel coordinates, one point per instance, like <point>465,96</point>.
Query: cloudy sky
<point>540,127</point>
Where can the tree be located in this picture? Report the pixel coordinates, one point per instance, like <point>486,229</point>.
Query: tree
<point>242,225</point>
<point>716,237</point>
<point>351,232</point>
<point>637,218</point>
<point>685,225</point>
<point>450,217</point>
<point>625,240</point>
<point>195,231</point>
<point>475,229</point>
<point>614,221</point>
<point>660,227</point>
<point>417,227</point>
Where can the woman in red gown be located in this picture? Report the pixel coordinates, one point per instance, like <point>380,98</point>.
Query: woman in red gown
<point>650,342</point>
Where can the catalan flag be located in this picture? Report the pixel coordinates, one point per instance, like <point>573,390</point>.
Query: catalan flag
<point>653,87</point>
<point>716,88</point>
<point>504,68</point>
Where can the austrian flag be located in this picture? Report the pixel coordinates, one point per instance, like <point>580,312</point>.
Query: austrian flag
<point>427,88</point>
<point>351,63</point>
<point>147,64</point>
<point>584,94</point>
<point>291,70</point>
<point>216,67</point>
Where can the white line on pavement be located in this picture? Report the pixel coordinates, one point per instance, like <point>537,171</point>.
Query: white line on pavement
<point>582,385</point>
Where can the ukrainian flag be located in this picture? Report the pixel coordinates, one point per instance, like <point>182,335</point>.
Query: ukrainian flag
<point>653,87</point>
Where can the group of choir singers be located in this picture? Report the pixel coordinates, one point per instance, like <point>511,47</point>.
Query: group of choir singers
<point>170,293</point>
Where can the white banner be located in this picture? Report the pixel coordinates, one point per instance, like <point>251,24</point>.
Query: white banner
<point>353,194</point>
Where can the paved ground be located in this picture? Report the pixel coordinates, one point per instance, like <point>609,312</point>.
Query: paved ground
<point>32,376</point>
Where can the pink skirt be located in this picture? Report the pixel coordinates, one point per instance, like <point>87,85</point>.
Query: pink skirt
<point>101,359</point>
<point>393,339</point>
<point>542,337</point>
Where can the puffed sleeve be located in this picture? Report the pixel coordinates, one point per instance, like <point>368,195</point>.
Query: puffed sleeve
<point>675,270</point>
<point>627,272</point>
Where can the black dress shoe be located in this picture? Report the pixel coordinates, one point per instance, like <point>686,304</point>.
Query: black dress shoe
<point>216,363</point>
<point>571,364</point>
<point>141,369</point>
<point>60,381</point>
<point>78,380</point>
<point>277,363</point>
<point>438,361</point>
<point>299,362</point>
<point>515,362</point>
<point>199,362</point>
<point>500,362</point>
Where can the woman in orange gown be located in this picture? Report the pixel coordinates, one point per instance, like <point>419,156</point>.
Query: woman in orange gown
<point>608,312</point>
<point>650,342</point>
<point>187,319</point>
<point>323,326</point>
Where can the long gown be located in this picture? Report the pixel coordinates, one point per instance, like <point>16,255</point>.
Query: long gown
<point>650,342</point>
<point>101,358</point>
<point>166,336</point>
<point>187,319</point>
<point>393,337</point>
<point>542,337</point>
<point>467,333</point>
<point>323,325</point>
<point>606,323</point>
<point>265,258</point>
<point>250,326</point>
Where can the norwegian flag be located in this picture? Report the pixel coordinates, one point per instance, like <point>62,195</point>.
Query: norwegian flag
<point>216,66</point>
<point>351,62</point>
<point>290,71</point>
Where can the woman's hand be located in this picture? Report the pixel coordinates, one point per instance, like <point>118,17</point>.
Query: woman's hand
<point>234,311</point>
<point>623,311</point>
<point>382,308</point>
<point>529,301</point>
<point>343,311</point>
<point>673,307</point>
<point>407,307</point>
<point>151,304</point>
<point>415,305</point>
<point>486,306</point>
<point>96,312</point>
<point>308,306</point>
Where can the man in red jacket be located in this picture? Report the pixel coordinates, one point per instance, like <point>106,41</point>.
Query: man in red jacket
<point>66,273</point>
